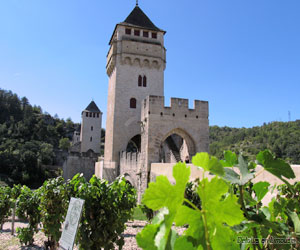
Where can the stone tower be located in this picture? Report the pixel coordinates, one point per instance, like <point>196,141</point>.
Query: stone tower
<point>135,65</point>
<point>90,135</point>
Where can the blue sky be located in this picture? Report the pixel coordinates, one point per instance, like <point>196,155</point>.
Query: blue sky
<point>243,56</point>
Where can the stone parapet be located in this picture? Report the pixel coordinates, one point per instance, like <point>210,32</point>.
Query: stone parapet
<point>129,157</point>
<point>155,105</point>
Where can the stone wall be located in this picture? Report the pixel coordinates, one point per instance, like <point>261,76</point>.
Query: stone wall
<point>79,163</point>
<point>130,167</point>
<point>191,124</point>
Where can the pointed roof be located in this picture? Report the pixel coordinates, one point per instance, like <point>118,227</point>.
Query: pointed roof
<point>138,18</point>
<point>92,107</point>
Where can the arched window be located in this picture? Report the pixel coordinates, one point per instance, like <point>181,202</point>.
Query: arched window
<point>144,81</point>
<point>91,139</point>
<point>91,114</point>
<point>92,128</point>
<point>140,81</point>
<point>132,103</point>
<point>87,114</point>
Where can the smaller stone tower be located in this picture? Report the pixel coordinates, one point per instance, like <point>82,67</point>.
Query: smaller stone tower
<point>90,135</point>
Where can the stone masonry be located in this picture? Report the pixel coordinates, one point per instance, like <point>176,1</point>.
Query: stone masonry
<point>85,152</point>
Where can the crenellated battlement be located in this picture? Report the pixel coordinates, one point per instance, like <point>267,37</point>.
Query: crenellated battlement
<point>155,105</point>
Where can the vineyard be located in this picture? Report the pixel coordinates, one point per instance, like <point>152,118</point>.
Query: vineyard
<point>223,212</point>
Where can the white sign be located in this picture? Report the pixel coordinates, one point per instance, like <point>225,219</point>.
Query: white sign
<point>68,235</point>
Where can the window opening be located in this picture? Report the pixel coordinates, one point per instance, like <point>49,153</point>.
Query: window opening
<point>132,103</point>
<point>137,32</point>
<point>145,34</point>
<point>128,31</point>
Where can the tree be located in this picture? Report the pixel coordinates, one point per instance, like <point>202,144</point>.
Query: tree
<point>64,144</point>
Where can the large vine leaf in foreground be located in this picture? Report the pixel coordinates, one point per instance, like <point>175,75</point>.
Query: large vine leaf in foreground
<point>207,227</point>
<point>163,195</point>
<point>208,163</point>
<point>277,167</point>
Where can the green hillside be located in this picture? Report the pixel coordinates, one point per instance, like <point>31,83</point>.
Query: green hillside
<point>282,138</point>
<point>29,138</point>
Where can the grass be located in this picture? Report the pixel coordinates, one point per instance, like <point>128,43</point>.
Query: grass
<point>138,214</point>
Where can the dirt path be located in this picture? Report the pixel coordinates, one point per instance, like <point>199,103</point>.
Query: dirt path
<point>9,242</point>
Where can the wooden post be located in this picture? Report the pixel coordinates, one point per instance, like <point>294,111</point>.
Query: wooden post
<point>13,220</point>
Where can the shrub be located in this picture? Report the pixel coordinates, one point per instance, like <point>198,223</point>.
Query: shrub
<point>15,192</point>
<point>28,209</point>
<point>5,204</point>
<point>107,208</point>
<point>53,206</point>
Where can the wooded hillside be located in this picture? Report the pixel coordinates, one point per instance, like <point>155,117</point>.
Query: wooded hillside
<point>282,138</point>
<point>29,138</point>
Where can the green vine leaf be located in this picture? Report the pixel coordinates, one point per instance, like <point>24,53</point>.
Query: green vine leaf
<point>230,212</point>
<point>145,238</point>
<point>183,243</point>
<point>230,159</point>
<point>232,176</point>
<point>224,238</point>
<point>181,174</point>
<point>159,194</point>
<point>213,191</point>
<point>275,166</point>
<point>235,178</point>
<point>193,218</point>
<point>261,189</point>
<point>163,194</point>
<point>296,221</point>
<point>245,173</point>
<point>161,237</point>
<point>208,163</point>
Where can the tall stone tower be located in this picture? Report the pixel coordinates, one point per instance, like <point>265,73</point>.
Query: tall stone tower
<point>90,135</point>
<point>135,65</point>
